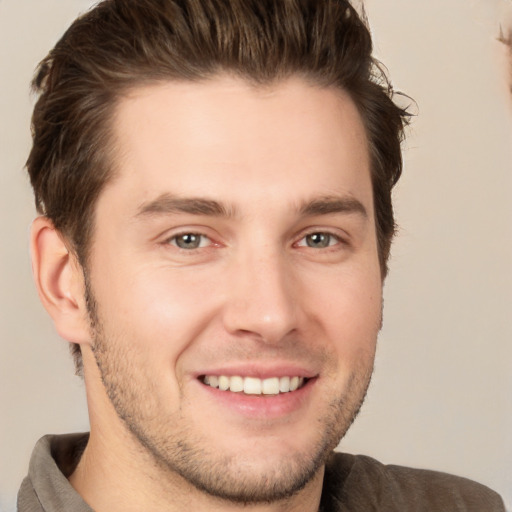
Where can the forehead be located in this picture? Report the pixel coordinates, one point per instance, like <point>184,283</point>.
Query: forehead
<point>236,142</point>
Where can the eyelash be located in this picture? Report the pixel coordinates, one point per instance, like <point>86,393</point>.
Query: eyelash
<point>332,237</point>
<point>173,240</point>
<point>302,242</point>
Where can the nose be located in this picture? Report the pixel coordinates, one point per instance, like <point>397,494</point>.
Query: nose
<point>260,300</point>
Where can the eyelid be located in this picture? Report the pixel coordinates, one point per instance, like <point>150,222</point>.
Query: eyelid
<point>170,235</point>
<point>173,238</point>
<point>302,243</point>
<point>342,237</point>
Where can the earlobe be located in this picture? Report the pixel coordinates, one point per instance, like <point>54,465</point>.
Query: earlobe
<point>59,281</point>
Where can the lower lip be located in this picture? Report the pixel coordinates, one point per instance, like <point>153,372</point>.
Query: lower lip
<point>262,406</point>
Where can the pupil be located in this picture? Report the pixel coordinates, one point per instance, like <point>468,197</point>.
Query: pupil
<point>188,241</point>
<point>318,240</point>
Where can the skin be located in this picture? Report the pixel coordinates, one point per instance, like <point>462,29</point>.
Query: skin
<point>258,297</point>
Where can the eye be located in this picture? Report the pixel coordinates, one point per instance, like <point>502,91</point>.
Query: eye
<point>319,240</point>
<point>190,241</point>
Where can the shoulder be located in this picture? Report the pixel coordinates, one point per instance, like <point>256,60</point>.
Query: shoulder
<point>359,482</point>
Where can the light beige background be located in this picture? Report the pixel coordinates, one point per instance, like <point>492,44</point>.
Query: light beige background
<point>442,391</point>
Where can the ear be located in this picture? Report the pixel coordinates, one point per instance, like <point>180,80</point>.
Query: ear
<point>59,281</point>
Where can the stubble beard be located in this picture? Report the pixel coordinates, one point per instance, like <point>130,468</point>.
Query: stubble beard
<point>181,451</point>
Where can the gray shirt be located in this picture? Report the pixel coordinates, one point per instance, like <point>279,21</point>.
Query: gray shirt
<point>352,483</point>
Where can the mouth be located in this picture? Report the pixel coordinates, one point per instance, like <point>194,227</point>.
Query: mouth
<point>254,386</point>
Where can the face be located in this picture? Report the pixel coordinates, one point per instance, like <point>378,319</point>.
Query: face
<point>234,281</point>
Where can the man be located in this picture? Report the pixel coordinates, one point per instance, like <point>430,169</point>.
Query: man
<point>214,182</point>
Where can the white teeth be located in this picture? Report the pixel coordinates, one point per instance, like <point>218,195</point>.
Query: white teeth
<point>284,384</point>
<point>236,384</point>
<point>270,386</point>
<point>224,383</point>
<point>253,385</point>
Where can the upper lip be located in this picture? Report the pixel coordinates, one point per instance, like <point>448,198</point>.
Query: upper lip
<point>259,370</point>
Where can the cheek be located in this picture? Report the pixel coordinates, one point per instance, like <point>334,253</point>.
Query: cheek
<point>149,320</point>
<point>162,309</point>
<point>350,309</point>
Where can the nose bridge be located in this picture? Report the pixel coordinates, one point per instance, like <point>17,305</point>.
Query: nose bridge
<point>260,299</point>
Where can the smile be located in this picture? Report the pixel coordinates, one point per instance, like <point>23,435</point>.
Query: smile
<point>253,385</point>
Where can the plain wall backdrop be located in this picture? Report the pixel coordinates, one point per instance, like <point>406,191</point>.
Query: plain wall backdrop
<point>441,397</point>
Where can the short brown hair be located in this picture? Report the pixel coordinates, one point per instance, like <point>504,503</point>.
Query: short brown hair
<point>121,44</point>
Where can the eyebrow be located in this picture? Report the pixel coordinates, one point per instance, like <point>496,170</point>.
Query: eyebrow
<point>333,204</point>
<point>167,204</point>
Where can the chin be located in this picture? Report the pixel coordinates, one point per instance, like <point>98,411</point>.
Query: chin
<point>258,469</point>
<point>242,478</point>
